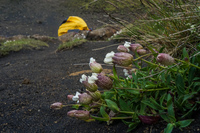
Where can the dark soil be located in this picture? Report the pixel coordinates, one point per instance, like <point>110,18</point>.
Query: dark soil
<point>31,80</point>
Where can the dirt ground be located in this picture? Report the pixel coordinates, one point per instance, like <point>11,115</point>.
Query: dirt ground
<point>31,80</point>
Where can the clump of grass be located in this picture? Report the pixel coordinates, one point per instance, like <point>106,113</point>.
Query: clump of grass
<point>71,44</point>
<point>17,45</point>
<point>172,25</point>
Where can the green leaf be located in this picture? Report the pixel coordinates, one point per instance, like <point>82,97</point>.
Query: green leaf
<point>191,74</point>
<point>108,94</point>
<point>169,128</point>
<point>153,104</point>
<point>184,123</point>
<point>123,105</point>
<point>132,126</point>
<point>189,113</point>
<point>180,84</point>
<point>168,79</point>
<point>112,105</point>
<point>134,92</point>
<point>185,54</point>
<point>103,112</point>
<point>76,106</point>
<point>188,96</point>
<point>170,108</point>
<point>161,50</point>
<point>115,72</point>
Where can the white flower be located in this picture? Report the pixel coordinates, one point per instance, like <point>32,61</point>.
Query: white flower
<point>93,78</point>
<point>108,59</point>
<point>125,72</point>
<point>76,98</point>
<point>92,60</point>
<point>127,44</point>
<point>83,78</point>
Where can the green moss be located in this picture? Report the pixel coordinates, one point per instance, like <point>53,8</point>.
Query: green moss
<point>17,45</point>
<point>71,44</point>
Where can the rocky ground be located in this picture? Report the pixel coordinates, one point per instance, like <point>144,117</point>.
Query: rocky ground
<point>31,80</point>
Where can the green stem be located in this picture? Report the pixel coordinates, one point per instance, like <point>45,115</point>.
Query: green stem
<point>127,112</point>
<point>100,104</point>
<point>153,64</point>
<point>143,89</point>
<point>142,56</point>
<point>186,63</point>
<point>118,118</point>
<point>70,105</point>
<point>158,89</point>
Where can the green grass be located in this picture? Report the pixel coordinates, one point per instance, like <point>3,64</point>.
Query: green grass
<point>17,45</point>
<point>71,44</point>
<point>171,25</point>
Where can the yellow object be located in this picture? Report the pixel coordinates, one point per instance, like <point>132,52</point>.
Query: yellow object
<point>72,23</point>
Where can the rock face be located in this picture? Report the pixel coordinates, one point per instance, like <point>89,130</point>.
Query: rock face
<point>98,34</point>
<point>103,33</point>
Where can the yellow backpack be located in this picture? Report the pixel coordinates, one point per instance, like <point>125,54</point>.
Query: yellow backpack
<point>73,23</point>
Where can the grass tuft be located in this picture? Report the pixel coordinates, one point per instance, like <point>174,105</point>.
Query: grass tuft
<point>170,24</point>
<point>71,44</point>
<point>16,45</point>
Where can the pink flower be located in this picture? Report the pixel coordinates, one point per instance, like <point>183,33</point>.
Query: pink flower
<point>56,106</point>
<point>122,59</point>
<point>165,59</point>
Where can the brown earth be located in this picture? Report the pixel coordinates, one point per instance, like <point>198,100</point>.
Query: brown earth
<point>31,80</point>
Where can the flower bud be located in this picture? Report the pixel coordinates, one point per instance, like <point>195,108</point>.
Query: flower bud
<point>89,82</point>
<point>91,87</point>
<point>69,97</point>
<point>134,47</point>
<point>85,98</point>
<point>56,106</point>
<point>108,59</point>
<point>94,66</point>
<point>80,114</point>
<point>165,59</point>
<point>141,51</point>
<point>122,59</point>
<point>149,119</point>
<point>95,95</point>
<point>186,59</point>
<point>122,48</point>
<point>104,82</point>
<point>71,113</point>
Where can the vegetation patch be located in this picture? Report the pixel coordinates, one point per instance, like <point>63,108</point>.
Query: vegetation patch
<point>172,25</point>
<point>17,45</point>
<point>71,44</point>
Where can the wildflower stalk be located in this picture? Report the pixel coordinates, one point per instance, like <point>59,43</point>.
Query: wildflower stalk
<point>153,64</point>
<point>186,63</point>
<point>158,89</point>
<point>127,112</point>
<point>119,118</point>
<point>142,56</point>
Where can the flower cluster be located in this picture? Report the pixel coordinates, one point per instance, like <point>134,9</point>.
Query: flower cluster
<point>92,98</point>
